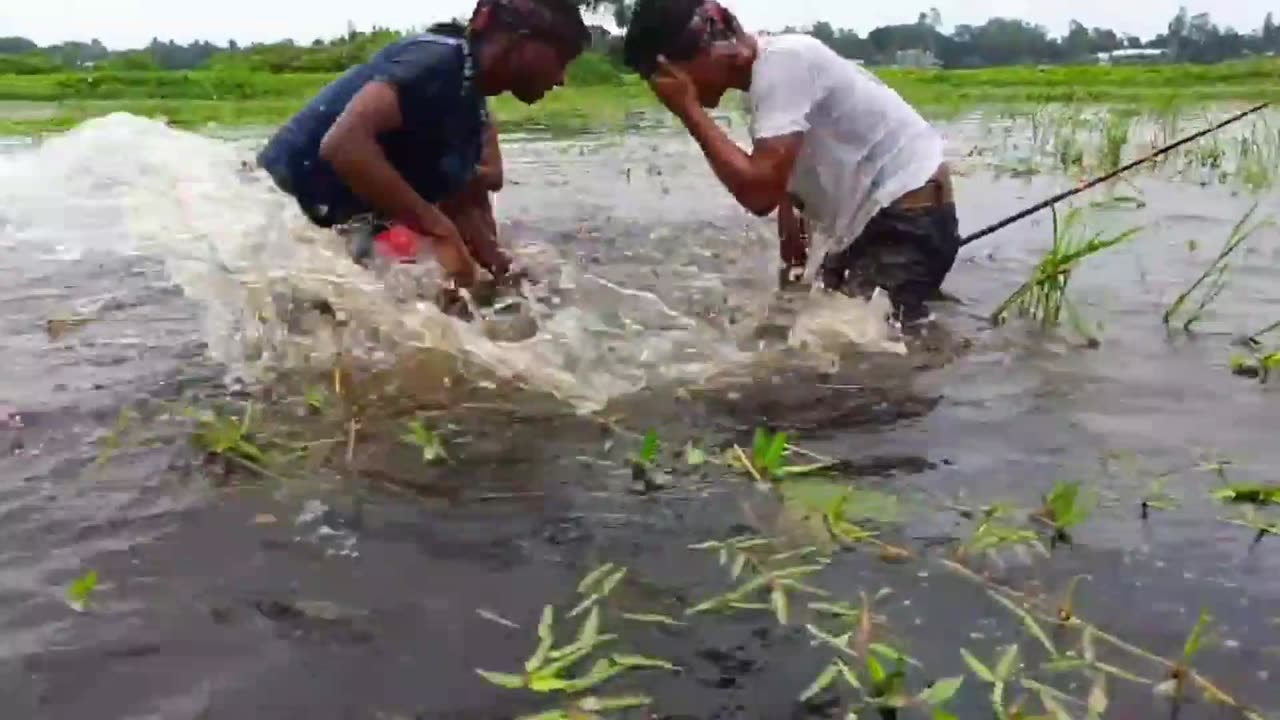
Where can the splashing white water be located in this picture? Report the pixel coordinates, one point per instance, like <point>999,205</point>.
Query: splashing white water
<point>235,244</point>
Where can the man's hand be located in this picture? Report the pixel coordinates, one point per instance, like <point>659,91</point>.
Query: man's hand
<point>793,238</point>
<point>446,243</point>
<point>674,88</point>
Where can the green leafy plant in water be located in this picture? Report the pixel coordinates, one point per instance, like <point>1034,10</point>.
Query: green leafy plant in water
<point>1258,364</point>
<point>773,575</point>
<point>1240,494</point>
<point>226,437</point>
<point>316,398</point>
<point>845,510</point>
<point>875,672</point>
<point>1043,297</point>
<point>427,440</point>
<point>1180,676</point>
<point>1157,498</point>
<point>647,456</point>
<point>1115,137</point>
<point>993,535</point>
<point>597,586</point>
<point>695,456</point>
<point>81,591</point>
<point>1067,506</point>
<point>1213,280</point>
<point>1252,519</point>
<point>767,462</point>
<point>547,670</point>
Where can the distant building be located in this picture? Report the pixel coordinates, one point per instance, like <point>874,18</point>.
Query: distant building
<point>916,59</point>
<point>1131,56</point>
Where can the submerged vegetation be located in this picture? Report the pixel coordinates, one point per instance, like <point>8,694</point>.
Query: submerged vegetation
<point>581,663</point>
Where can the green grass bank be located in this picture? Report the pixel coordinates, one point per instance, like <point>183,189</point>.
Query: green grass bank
<point>598,95</point>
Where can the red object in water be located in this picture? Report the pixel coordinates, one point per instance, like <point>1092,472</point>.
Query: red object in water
<point>398,243</point>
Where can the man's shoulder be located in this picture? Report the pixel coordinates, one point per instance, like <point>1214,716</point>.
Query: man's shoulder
<point>793,43</point>
<point>425,53</point>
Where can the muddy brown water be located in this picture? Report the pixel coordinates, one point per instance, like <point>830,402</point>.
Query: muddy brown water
<point>358,593</point>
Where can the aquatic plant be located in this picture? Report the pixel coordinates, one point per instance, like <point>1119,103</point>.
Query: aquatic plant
<point>1258,365</point>
<point>230,439</point>
<point>776,574</point>
<point>547,669</point>
<point>428,441</point>
<point>861,667</point>
<point>1243,494</point>
<point>767,463</point>
<point>1176,685</point>
<point>1156,498</point>
<point>1043,297</point>
<point>81,591</point>
<point>1065,507</point>
<point>1214,279</point>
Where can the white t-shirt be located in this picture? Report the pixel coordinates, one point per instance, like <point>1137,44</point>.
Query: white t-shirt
<point>864,146</point>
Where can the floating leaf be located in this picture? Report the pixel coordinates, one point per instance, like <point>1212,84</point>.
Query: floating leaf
<point>586,604</point>
<point>653,619</point>
<point>1004,670</point>
<point>1122,674</point>
<point>876,670</point>
<point>1032,626</point>
<point>893,654</point>
<point>1098,701</point>
<point>80,592</point>
<point>779,601</point>
<point>839,643</point>
<point>1196,639</point>
<point>739,565</point>
<point>694,456</point>
<point>594,578</point>
<point>511,682</point>
<point>649,451</point>
<point>597,705</point>
<point>849,675</point>
<point>982,671</point>
<point>823,682</point>
<point>1065,665</point>
<point>611,583</point>
<point>545,640</point>
<point>640,662</point>
<point>941,692</point>
<point>1054,707</point>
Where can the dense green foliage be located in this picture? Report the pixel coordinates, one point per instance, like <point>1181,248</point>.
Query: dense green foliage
<point>999,41</point>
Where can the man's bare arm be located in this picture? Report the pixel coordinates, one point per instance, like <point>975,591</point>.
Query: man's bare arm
<point>758,180</point>
<point>489,174</point>
<point>351,147</point>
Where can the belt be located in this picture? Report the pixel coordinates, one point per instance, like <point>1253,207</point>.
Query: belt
<point>934,193</point>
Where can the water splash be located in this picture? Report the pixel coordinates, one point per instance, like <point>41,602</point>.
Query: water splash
<point>123,184</point>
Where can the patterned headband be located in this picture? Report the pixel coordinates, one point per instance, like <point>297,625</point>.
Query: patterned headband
<point>532,18</point>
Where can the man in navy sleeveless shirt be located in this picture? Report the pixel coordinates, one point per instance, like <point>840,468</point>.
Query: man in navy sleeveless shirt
<point>409,131</point>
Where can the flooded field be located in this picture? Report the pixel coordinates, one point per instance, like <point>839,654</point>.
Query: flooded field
<point>241,477</point>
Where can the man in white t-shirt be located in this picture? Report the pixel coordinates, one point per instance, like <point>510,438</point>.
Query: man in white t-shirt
<point>830,140</point>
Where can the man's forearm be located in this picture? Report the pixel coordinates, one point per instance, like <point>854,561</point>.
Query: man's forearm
<point>731,163</point>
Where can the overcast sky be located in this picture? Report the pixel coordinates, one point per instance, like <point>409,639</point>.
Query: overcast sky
<point>131,23</point>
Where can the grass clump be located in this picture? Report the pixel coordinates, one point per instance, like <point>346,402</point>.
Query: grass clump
<point>1043,297</point>
<point>1213,280</point>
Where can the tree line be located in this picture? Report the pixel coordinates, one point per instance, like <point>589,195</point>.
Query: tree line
<point>1000,41</point>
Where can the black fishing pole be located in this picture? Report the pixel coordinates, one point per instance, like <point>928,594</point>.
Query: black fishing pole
<point>1109,176</point>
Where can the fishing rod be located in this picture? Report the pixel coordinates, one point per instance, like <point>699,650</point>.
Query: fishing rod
<point>1109,176</point>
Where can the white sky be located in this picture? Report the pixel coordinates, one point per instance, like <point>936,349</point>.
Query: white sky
<point>132,23</point>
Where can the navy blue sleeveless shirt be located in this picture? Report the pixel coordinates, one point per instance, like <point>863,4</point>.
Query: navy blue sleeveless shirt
<point>436,148</point>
